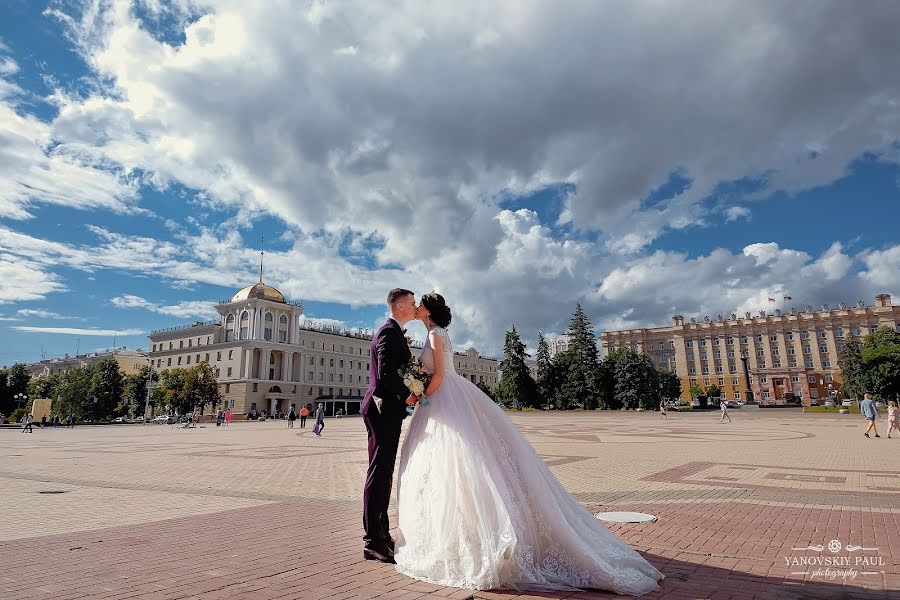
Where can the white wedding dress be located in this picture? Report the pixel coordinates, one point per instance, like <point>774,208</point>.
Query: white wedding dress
<point>479,509</point>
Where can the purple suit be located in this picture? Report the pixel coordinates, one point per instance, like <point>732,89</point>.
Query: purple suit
<point>388,354</point>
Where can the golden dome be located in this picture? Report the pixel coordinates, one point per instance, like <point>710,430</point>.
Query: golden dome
<point>259,291</point>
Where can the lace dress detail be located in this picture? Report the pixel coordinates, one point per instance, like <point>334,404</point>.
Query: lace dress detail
<point>479,509</point>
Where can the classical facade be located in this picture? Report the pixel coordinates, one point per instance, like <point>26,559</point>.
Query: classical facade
<point>786,353</point>
<point>267,359</point>
<point>130,361</point>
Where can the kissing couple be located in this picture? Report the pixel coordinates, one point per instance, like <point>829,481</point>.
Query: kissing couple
<point>477,507</point>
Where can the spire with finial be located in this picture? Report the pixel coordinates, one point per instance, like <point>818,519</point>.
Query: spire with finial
<point>262,239</point>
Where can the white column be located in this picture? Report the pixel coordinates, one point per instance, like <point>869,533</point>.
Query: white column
<point>272,403</point>
<point>286,366</point>
<point>248,363</point>
<point>265,355</point>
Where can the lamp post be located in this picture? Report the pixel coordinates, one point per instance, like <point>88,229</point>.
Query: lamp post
<point>149,387</point>
<point>20,397</point>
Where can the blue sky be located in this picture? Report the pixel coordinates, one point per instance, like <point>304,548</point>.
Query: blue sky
<point>150,146</point>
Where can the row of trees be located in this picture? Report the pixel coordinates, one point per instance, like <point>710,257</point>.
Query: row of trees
<point>872,365</point>
<point>102,391</point>
<point>578,378</point>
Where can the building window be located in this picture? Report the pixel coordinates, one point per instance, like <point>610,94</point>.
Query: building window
<point>282,328</point>
<point>230,354</point>
<point>731,354</point>
<point>776,364</point>
<point>245,325</point>
<point>190,343</point>
<point>823,348</point>
<point>811,378</point>
<point>693,382</point>
<point>321,361</point>
<point>703,356</point>
<point>732,368</point>
<point>764,380</point>
<point>154,347</point>
<point>804,335</point>
<point>689,344</point>
<point>341,363</point>
<point>737,395</point>
<point>228,373</point>
<point>706,382</point>
<point>829,378</point>
<point>822,334</point>
<point>672,344</point>
<point>331,377</point>
<point>703,343</point>
<point>839,332</point>
<point>188,359</point>
<point>766,394</point>
<point>218,356</point>
<point>311,375</point>
<point>717,354</point>
<point>179,360</point>
<point>759,339</point>
<point>743,339</point>
<point>795,379</point>
<point>773,338</point>
<point>227,387</point>
<point>705,369</point>
<point>180,344</point>
<point>791,351</point>
<point>255,387</point>
<point>729,341</point>
<point>340,378</point>
<point>792,364</point>
<point>330,362</point>
<point>312,360</point>
<point>170,345</point>
<point>721,382</point>
<point>809,364</point>
<point>873,328</point>
<point>789,337</point>
<point>692,370</point>
<point>719,369</point>
<point>826,363</point>
<point>158,362</point>
<point>734,381</point>
<point>807,350</point>
<point>169,364</point>
<point>723,395</point>
<point>774,351</point>
<point>762,364</point>
<point>760,352</point>
<point>268,323</point>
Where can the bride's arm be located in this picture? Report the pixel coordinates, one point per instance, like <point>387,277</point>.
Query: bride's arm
<point>437,353</point>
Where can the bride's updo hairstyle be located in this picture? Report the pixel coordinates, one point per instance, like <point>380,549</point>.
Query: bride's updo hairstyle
<point>438,310</point>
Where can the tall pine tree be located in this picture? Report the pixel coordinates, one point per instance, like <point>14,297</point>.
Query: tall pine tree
<point>516,384</point>
<point>544,372</point>
<point>580,385</point>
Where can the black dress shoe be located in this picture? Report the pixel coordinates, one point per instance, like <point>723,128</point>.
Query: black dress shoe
<point>381,555</point>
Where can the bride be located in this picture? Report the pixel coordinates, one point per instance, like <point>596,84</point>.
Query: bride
<point>479,509</point>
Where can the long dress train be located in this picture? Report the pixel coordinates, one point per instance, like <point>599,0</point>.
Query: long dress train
<point>479,509</point>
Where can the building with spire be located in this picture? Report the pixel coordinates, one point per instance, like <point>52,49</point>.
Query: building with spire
<point>267,358</point>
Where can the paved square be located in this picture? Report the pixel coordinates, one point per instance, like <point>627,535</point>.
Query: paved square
<point>776,504</point>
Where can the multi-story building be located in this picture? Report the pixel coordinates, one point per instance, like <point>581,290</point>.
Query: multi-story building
<point>558,344</point>
<point>787,353</point>
<point>130,361</point>
<point>267,359</point>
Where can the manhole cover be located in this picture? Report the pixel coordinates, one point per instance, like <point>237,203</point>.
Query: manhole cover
<point>52,492</point>
<point>626,517</point>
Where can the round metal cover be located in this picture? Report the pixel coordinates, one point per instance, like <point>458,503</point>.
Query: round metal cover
<point>626,517</point>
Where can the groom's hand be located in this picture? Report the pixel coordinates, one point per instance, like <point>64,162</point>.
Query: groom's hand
<point>411,401</point>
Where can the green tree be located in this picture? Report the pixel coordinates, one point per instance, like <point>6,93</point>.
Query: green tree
<point>200,387</point>
<point>43,387</point>
<point>170,392</point>
<point>544,372</point>
<point>487,391</point>
<point>880,354</point>
<point>852,370</point>
<point>74,392</point>
<point>135,390</point>
<point>516,389</point>
<point>636,381</point>
<point>580,382</point>
<point>671,385</point>
<point>605,380</point>
<point>17,380</point>
<point>106,390</point>
<point>712,392</point>
<point>6,403</point>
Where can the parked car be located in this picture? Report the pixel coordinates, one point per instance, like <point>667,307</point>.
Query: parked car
<point>847,402</point>
<point>829,402</point>
<point>139,419</point>
<point>164,420</point>
<point>120,420</point>
<point>732,404</point>
<point>816,403</point>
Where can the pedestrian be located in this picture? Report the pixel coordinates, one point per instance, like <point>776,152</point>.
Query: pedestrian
<point>304,413</point>
<point>71,421</point>
<point>724,407</point>
<point>227,417</point>
<point>56,420</point>
<point>893,416</point>
<point>320,420</point>
<point>195,418</point>
<point>662,411</point>
<point>43,421</point>
<point>292,416</point>
<point>867,408</point>
<point>27,421</point>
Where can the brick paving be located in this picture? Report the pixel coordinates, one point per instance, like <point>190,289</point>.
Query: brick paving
<point>258,511</point>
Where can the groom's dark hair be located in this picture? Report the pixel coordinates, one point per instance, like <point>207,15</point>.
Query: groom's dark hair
<point>397,293</point>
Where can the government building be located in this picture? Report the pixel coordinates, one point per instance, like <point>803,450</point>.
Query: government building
<point>788,354</point>
<point>130,362</point>
<point>268,360</point>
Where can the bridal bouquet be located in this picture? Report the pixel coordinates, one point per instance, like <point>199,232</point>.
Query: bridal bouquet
<point>416,378</point>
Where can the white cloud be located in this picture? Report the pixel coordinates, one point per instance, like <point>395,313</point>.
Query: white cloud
<point>734,213</point>
<point>24,280</point>
<point>76,331</point>
<point>188,308</point>
<point>41,314</point>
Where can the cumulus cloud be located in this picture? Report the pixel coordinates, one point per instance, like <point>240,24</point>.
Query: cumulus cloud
<point>41,314</point>
<point>398,128</point>
<point>189,308</point>
<point>25,280</point>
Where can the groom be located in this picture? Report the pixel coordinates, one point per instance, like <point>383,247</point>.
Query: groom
<point>383,409</point>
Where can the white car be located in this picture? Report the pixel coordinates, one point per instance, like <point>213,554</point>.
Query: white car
<point>847,402</point>
<point>161,419</point>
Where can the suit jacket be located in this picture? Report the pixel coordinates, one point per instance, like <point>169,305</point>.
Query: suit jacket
<point>389,352</point>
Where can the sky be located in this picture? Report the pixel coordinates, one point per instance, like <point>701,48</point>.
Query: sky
<point>642,158</point>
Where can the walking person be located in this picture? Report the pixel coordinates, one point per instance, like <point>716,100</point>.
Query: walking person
<point>292,416</point>
<point>227,417</point>
<point>867,408</point>
<point>28,422</point>
<point>724,406</point>
<point>662,411</point>
<point>320,419</point>
<point>43,421</point>
<point>893,416</point>
<point>304,413</point>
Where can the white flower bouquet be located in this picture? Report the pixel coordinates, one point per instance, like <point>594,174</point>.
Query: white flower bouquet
<point>416,378</point>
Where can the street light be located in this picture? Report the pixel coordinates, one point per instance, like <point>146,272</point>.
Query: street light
<point>20,397</point>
